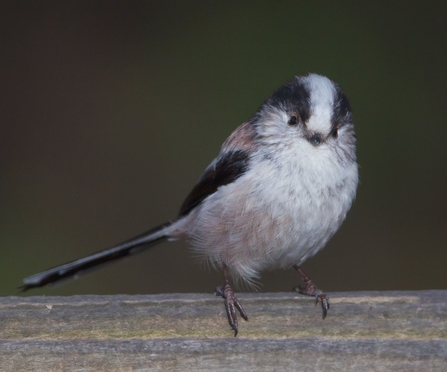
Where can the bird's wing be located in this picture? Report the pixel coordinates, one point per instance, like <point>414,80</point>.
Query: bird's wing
<point>232,163</point>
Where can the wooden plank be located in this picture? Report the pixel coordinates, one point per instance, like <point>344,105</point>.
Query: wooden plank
<point>367,331</point>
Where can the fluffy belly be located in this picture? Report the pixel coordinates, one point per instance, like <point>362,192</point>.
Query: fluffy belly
<point>242,228</point>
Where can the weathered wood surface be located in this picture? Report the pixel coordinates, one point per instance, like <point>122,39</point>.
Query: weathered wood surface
<point>364,331</point>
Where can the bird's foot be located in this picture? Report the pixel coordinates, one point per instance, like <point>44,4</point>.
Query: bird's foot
<point>231,304</point>
<point>312,290</point>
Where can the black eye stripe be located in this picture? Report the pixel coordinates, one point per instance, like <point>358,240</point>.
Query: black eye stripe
<point>342,110</point>
<point>293,96</point>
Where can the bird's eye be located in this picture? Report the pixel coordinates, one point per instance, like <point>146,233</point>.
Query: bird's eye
<point>335,133</point>
<point>293,120</point>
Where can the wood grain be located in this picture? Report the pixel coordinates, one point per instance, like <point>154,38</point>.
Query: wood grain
<point>364,331</point>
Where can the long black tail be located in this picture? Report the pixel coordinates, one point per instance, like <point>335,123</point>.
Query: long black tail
<point>74,269</point>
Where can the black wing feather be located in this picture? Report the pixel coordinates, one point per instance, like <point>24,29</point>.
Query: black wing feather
<point>227,169</point>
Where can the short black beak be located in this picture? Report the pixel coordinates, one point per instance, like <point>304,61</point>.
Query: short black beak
<point>315,139</point>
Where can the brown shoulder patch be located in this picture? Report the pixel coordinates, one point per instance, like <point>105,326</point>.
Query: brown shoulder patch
<point>243,138</point>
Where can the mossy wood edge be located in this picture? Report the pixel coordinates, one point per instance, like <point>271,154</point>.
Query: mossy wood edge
<point>368,331</point>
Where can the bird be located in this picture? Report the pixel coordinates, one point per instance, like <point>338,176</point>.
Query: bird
<point>278,190</point>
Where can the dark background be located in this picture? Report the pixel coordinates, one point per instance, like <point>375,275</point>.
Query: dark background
<point>110,111</point>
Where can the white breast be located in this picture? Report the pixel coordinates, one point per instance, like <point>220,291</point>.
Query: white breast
<point>276,215</point>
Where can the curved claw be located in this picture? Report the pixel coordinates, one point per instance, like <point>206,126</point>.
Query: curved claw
<point>325,305</point>
<point>231,304</point>
<point>219,292</point>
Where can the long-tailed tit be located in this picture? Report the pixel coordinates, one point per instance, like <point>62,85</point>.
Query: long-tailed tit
<point>276,193</point>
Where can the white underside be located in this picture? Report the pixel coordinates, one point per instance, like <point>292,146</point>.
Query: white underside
<point>276,215</point>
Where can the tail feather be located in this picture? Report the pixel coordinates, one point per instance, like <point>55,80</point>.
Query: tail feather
<point>74,269</point>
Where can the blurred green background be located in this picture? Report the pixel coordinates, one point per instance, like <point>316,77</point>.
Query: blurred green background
<point>111,110</point>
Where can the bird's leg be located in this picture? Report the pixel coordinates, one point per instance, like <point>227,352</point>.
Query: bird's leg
<point>231,302</point>
<point>312,290</point>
